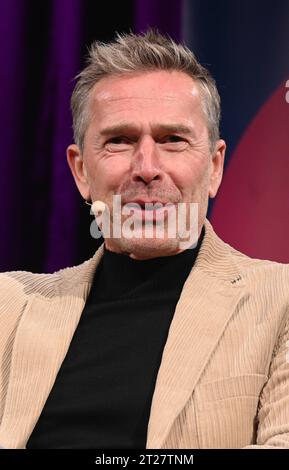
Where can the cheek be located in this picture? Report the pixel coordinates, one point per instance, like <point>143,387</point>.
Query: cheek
<point>108,173</point>
<point>191,179</point>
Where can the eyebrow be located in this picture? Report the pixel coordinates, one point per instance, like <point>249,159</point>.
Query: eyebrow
<point>131,127</point>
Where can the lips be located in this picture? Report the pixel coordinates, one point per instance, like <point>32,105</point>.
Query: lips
<point>147,204</point>
<point>150,210</point>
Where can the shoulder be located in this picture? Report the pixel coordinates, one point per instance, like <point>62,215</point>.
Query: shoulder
<point>18,290</point>
<point>224,260</point>
<point>259,267</point>
<point>25,283</point>
<point>64,281</point>
<point>266,284</point>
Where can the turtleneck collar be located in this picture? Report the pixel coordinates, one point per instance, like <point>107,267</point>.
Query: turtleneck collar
<point>118,274</point>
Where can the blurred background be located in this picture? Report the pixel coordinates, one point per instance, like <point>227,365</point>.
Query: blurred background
<point>244,43</point>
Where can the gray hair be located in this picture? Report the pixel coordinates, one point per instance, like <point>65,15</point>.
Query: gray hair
<point>130,53</point>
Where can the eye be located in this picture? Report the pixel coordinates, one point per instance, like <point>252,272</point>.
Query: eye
<point>117,144</point>
<point>173,139</point>
<point>173,142</point>
<point>117,140</point>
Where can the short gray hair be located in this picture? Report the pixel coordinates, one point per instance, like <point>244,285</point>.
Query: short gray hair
<point>130,53</point>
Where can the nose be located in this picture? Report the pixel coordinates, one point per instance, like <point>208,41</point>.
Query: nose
<point>146,166</point>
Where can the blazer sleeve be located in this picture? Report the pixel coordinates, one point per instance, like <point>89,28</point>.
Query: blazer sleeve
<point>273,413</point>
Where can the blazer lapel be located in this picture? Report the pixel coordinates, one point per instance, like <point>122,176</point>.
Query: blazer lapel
<point>42,339</point>
<point>208,300</point>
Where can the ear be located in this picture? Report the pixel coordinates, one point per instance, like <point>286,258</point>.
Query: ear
<point>217,166</point>
<point>78,169</point>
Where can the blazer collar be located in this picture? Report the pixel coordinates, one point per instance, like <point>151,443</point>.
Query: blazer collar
<point>48,323</point>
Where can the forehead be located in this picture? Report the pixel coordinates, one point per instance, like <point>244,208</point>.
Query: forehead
<point>156,92</point>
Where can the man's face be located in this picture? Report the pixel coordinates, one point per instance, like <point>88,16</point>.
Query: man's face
<point>147,140</point>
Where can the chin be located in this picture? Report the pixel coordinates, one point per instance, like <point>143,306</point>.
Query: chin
<point>146,248</point>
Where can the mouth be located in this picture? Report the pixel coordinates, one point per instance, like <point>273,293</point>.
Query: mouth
<point>148,204</point>
<point>150,211</point>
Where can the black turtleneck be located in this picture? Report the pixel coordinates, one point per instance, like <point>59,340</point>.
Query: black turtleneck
<point>102,395</point>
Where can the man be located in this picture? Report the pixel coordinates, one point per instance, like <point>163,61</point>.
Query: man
<point>151,343</point>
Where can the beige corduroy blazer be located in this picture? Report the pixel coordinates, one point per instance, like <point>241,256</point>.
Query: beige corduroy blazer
<point>223,381</point>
